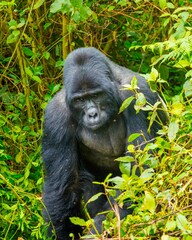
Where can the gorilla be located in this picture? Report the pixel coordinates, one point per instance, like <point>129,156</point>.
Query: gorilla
<point>84,133</point>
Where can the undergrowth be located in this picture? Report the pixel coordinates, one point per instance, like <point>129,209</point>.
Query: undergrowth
<point>35,38</point>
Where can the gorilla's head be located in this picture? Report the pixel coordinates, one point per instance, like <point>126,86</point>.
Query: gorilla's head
<point>91,92</point>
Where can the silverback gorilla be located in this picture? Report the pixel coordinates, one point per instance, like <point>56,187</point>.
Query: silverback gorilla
<point>84,133</point>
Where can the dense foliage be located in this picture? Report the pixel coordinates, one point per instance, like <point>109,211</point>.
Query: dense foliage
<point>153,37</point>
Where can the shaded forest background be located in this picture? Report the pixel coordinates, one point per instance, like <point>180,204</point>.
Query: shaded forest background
<point>152,37</point>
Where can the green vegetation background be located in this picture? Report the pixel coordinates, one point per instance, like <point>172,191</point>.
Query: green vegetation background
<point>153,37</point>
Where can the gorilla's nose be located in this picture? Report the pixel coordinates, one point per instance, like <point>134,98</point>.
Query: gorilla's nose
<point>92,113</point>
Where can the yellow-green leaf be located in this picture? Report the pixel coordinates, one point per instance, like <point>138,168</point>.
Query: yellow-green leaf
<point>162,4</point>
<point>154,74</point>
<point>133,136</point>
<point>78,221</point>
<point>149,202</point>
<point>177,108</point>
<point>182,222</point>
<point>172,130</point>
<point>126,104</point>
<point>170,226</point>
<point>182,64</point>
<point>38,4</point>
<point>19,156</point>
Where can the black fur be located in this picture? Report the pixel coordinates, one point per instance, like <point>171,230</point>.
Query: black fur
<point>84,133</point>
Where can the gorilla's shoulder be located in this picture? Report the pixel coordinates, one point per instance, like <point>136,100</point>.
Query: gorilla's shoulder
<point>57,113</point>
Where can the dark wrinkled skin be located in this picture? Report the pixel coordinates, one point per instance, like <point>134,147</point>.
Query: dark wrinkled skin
<point>84,133</point>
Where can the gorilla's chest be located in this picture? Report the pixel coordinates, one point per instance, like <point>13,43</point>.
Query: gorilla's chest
<point>99,148</point>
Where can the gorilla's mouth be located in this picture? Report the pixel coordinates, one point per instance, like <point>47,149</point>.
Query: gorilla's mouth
<point>94,126</point>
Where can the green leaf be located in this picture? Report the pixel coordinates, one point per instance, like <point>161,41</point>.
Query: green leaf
<point>140,102</point>
<point>170,5</point>
<point>55,88</point>
<point>187,87</point>
<point>131,148</point>
<point>118,181</point>
<point>94,197</point>
<point>63,6</point>
<point>78,221</point>
<point>182,64</point>
<point>30,74</point>
<point>172,130</point>
<point>170,225</point>
<point>84,12</point>
<point>12,24</point>
<point>46,55</point>
<point>76,3</point>
<point>38,4</point>
<point>154,74</point>
<point>125,168</point>
<point>162,4</point>
<point>177,108</point>
<point>37,79</point>
<point>182,222</point>
<point>125,159</point>
<point>134,83</point>
<point>147,175</point>
<point>13,36</point>
<point>126,103</point>
<point>18,157</point>
<point>149,202</point>
<point>133,136</point>
<point>28,52</point>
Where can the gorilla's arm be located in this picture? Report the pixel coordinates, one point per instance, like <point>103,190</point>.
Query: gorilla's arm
<point>137,122</point>
<point>61,195</point>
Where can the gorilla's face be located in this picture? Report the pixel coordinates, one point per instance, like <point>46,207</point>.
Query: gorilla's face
<point>91,92</point>
<point>91,108</point>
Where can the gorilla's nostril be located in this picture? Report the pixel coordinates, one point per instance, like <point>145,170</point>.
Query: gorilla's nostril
<point>93,115</point>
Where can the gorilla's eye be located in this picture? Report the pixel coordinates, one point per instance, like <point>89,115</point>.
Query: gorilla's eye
<point>79,100</point>
<point>97,95</point>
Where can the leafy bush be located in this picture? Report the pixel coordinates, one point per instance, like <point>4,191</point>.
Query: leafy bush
<point>35,38</point>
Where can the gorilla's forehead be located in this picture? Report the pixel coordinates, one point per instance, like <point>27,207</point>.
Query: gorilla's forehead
<point>84,81</point>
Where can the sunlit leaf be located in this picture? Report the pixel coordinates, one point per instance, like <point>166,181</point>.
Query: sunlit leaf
<point>133,136</point>
<point>126,104</point>
<point>94,197</point>
<point>182,64</point>
<point>13,37</point>
<point>187,87</point>
<point>46,55</point>
<point>61,6</point>
<point>149,202</point>
<point>125,168</point>
<point>131,148</point>
<point>38,4</point>
<point>154,74</point>
<point>182,222</point>
<point>78,221</point>
<point>76,3</point>
<point>177,108</point>
<point>170,225</point>
<point>147,174</point>
<point>172,130</point>
<point>162,4</point>
<point>19,156</point>
<point>140,102</point>
<point>134,83</point>
<point>125,159</point>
